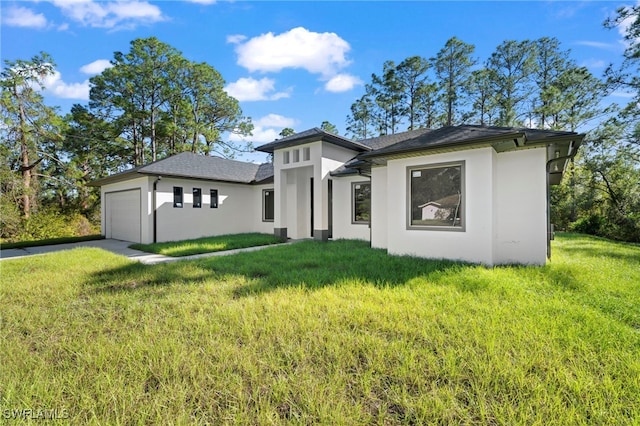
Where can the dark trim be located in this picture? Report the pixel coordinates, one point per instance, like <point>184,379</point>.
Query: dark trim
<point>280,233</point>
<point>175,205</point>
<point>573,148</point>
<point>353,203</point>
<point>213,191</point>
<point>155,209</point>
<point>264,205</point>
<point>321,234</point>
<point>198,192</point>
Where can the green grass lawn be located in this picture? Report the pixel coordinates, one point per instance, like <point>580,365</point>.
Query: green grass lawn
<point>324,333</point>
<point>208,244</point>
<point>49,242</point>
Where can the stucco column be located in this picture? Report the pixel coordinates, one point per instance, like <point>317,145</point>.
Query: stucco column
<point>320,204</point>
<point>280,207</point>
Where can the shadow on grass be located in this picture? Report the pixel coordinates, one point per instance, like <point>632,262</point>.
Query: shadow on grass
<point>307,264</point>
<point>149,278</point>
<point>313,265</point>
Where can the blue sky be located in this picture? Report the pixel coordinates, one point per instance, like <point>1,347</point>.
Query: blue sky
<point>292,64</point>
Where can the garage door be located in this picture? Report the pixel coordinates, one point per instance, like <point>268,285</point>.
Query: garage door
<point>122,213</point>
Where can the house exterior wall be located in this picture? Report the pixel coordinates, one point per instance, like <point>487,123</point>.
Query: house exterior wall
<point>474,243</point>
<point>293,173</point>
<point>239,210</point>
<point>379,208</point>
<point>343,226</point>
<point>520,225</point>
<point>142,183</point>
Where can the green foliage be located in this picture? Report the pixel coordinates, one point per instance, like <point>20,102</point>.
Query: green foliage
<point>50,223</point>
<point>325,333</point>
<point>152,93</point>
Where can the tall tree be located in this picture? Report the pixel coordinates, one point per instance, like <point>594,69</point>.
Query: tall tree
<point>287,131</point>
<point>411,75</point>
<point>28,125</point>
<point>329,127</point>
<point>138,86</point>
<point>162,103</point>
<point>388,94</point>
<point>453,65</point>
<point>482,97</point>
<point>512,65</point>
<point>360,123</point>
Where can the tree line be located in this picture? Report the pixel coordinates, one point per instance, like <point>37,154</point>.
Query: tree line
<point>152,102</point>
<point>530,83</point>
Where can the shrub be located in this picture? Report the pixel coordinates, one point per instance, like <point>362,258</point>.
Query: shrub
<point>592,224</point>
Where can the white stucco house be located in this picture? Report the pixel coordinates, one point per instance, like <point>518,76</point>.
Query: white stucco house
<point>472,193</point>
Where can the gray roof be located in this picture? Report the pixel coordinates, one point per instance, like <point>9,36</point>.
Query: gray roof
<point>313,135</point>
<point>194,166</point>
<point>189,165</point>
<point>465,135</point>
<point>388,140</point>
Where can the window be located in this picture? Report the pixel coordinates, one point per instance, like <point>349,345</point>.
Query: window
<point>436,197</point>
<point>361,208</point>
<point>177,196</point>
<point>268,202</point>
<point>306,154</point>
<point>285,157</point>
<point>296,155</point>
<point>197,198</point>
<point>214,198</point>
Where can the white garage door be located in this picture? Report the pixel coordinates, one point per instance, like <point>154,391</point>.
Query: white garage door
<point>123,215</point>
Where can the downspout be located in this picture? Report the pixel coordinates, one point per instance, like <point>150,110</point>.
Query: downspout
<point>155,208</point>
<point>549,163</point>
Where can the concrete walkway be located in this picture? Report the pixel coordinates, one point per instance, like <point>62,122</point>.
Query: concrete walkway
<point>121,248</point>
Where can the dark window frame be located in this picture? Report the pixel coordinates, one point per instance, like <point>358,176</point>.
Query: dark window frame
<point>265,216</point>
<point>213,201</point>
<point>197,198</point>
<point>178,197</point>
<point>461,208</point>
<point>356,186</point>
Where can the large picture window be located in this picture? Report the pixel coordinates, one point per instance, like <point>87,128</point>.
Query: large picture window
<point>436,197</point>
<point>268,202</point>
<point>361,207</point>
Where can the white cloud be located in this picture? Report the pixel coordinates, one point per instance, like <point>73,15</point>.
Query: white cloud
<point>275,120</point>
<point>266,129</point>
<point>250,89</point>
<point>236,38</point>
<point>24,17</point>
<point>342,83</point>
<point>202,1</point>
<point>110,14</point>
<point>597,44</point>
<point>318,53</point>
<point>96,67</point>
<point>58,88</point>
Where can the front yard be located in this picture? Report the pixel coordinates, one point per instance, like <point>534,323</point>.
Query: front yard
<point>328,333</point>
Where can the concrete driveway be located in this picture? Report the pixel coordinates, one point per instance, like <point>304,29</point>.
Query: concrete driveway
<point>117,247</point>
